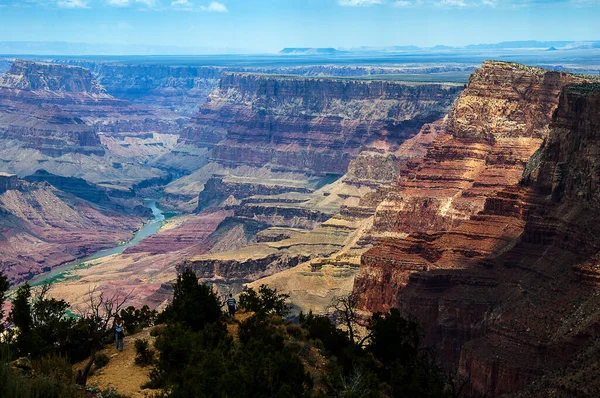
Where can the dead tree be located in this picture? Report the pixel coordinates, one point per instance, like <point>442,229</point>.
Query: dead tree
<point>95,320</point>
<point>344,310</point>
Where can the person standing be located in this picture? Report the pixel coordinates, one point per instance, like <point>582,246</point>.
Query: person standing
<point>231,305</point>
<point>119,333</point>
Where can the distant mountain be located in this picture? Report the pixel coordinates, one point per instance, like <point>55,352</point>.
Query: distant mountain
<point>525,44</point>
<point>311,51</point>
<point>442,47</point>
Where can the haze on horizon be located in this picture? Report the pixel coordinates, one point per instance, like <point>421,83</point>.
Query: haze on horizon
<point>267,26</point>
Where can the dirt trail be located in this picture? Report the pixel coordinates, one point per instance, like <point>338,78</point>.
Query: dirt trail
<point>121,372</point>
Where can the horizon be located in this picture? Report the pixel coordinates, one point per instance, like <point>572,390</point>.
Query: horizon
<point>266,27</point>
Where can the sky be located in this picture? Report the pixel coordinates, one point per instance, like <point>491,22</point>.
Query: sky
<point>270,25</point>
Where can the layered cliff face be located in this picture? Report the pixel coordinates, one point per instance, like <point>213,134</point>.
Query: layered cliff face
<point>489,139</point>
<point>177,88</point>
<point>281,144</point>
<point>61,119</point>
<point>310,125</point>
<point>182,89</point>
<point>42,227</point>
<point>35,76</point>
<point>500,292</point>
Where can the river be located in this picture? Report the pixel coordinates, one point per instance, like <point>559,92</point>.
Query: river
<point>150,228</point>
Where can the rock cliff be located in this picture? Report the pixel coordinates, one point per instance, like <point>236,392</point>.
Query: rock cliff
<point>498,272</point>
<point>42,227</point>
<point>61,119</point>
<point>489,139</point>
<point>307,124</point>
<point>281,143</point>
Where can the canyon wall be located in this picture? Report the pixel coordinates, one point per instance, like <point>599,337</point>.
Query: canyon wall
<point>308,124</point>
<point>61,119</point>
<point>488,265</point>
<point>42,227</point>
<point>282,143</point>
<point>183,88</point>
<point>496,125</point>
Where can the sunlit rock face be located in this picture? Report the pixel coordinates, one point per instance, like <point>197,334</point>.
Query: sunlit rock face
<point>297,154</point>
<point>308,124</point>
<point>490,137</point>
<point>497,252</point>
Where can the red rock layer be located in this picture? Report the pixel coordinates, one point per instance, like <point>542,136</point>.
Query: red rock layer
<point>496,125</point>
<point>508,294</point>
<point>308,124</point>
<point>42,227</point>
<point>191,232</point>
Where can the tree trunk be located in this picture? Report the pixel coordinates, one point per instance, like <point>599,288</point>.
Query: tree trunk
<point>82,376</point>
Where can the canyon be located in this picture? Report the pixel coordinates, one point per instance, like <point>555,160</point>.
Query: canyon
<point>471,208</point>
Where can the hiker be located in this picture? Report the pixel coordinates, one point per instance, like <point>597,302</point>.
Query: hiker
<point>231,305</point>
<point>119,333</point>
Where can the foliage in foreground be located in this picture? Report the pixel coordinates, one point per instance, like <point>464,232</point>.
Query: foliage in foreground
<point>196,355</point>
<point>272,357</point>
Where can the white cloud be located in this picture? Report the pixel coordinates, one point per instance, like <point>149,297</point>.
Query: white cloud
<point>182,3</point>
<point>215,7</point>
<point>452,3</point>
<point>401,4</point>
<point>118,3</point>
<point>148,3</point>
<point>72,3</point>
<point>357,3</point>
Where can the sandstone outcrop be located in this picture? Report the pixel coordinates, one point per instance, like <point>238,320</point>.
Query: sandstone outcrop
<point>490,137</point>
<point>499,273</point>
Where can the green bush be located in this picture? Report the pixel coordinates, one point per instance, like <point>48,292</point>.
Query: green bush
<point>194,304</point>
<point>265,301</point>
<point>144,355</point>
<point>51,378</point>
<point>136,319</point>
<point>158,330</point>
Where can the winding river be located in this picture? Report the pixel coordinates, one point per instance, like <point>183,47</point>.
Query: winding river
<point>150,228</point>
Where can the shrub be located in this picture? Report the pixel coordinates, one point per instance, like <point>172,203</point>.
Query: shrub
<point>295,331</point>
<point>265,301</point>
<point>158,330</point>
<point>144,355</point>
<point>194,304</point>
<point>51,378</point>
<point>135,319</point>
<point>101,360</point>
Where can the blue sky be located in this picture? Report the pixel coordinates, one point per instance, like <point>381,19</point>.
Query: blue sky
<point>269,25</point>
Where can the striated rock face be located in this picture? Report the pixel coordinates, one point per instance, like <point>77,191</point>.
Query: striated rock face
<point>35,99</point>
<point>61,119</point>
<point>42,227</point>
<point>282,143</point>
<point>460,170</point>
<point>496,125</point>
<point>307,124</point>
<point>35,76</point>
<point>177,88</point>
<point>506,290</point>
<point>183,89</point>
